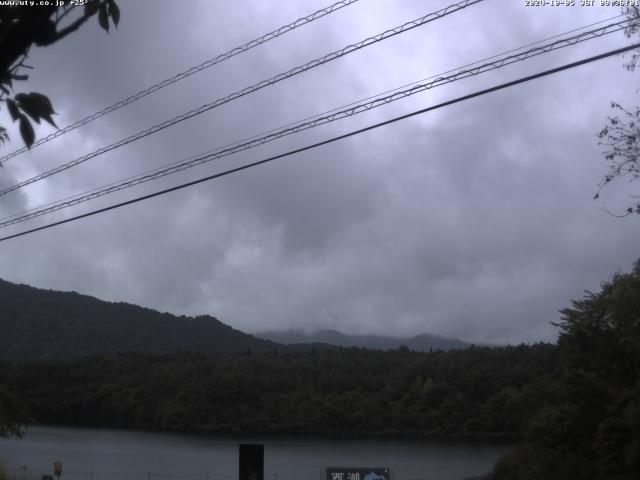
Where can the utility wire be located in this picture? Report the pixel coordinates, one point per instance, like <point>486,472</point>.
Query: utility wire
<point>538,42</point>
<point>160,171</point>
<point>331,140</point>
<point>77,198</point>
<point>257,140</point>
<point>253,88</point>
<point>353,109</point>
<point>182,75</point>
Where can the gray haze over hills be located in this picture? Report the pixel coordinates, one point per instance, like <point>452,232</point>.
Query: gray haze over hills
<point>420,343</point>
<point>37,323</point>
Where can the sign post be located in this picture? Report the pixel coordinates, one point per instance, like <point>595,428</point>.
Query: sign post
<point>251,458</point>
<point>57,469</point>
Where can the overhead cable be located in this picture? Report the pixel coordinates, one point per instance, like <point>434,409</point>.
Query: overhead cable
<point>538,42</point>
<point>187,73</point>
<point>353,109</point>
<point>251,89</point>
<point>330,140</point>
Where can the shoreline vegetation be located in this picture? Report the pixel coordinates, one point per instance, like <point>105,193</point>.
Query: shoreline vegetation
<point>479,392</point>
<point>251,437</point>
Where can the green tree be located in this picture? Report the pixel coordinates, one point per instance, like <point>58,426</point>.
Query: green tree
<point>13,414</point>
<point>591,429</point>
<point>23,26</point>
<point>601,332</point>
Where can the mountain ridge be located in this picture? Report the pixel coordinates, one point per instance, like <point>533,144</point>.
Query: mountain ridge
<point>39,323</point>
<point>421,343</point>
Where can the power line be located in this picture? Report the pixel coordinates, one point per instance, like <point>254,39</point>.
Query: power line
<point>330,140</point>
<point>251,89</point>
<point>321,119</point>
<point>187,73</point>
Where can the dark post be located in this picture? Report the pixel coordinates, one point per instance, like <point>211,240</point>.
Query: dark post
<point>251,462</point>
<point>57,469</point>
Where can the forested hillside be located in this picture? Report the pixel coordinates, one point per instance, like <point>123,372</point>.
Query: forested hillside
<point>350,392</point>
<point>38,323</point>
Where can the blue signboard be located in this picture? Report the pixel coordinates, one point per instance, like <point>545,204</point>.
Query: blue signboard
<point>357,473</point>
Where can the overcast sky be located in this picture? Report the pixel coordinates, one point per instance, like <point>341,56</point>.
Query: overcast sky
<point>474,221</point>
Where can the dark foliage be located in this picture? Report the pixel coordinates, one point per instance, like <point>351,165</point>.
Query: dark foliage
<point>23,26</point>
<point>13,412</point>
<point>476,392</point>
<point>590,427</point>
<point>39,323</point>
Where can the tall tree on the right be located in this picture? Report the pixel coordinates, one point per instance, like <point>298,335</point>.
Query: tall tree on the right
<point>590,429</point>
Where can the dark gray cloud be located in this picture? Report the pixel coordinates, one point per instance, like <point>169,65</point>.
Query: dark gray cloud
<point>474,221</point>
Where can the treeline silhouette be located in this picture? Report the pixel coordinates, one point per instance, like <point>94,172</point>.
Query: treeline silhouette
<point>355,392</point>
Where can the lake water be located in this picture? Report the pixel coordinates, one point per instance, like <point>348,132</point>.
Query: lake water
<point>91,454</point>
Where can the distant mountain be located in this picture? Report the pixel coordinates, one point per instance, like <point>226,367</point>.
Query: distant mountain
<point>37,324</point>
<point>419,343</point>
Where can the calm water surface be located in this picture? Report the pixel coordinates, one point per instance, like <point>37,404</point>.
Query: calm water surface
<point>89,454</point>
